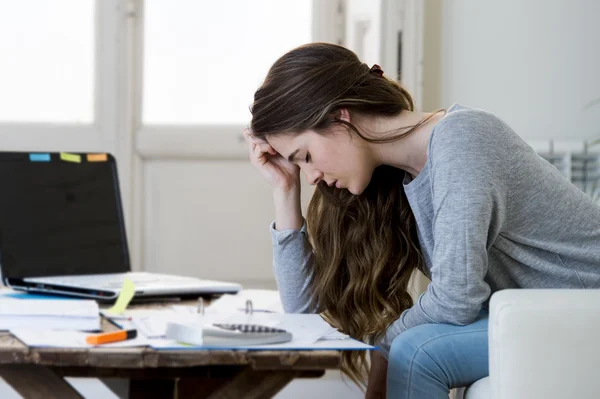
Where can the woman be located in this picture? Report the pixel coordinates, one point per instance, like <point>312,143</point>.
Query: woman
<point>455,194</point>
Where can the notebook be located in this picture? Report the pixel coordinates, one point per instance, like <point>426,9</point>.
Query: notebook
<point>62,231</point>
<point>42,314</point>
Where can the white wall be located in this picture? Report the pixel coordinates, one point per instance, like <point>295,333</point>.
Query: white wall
<point>534,63</point>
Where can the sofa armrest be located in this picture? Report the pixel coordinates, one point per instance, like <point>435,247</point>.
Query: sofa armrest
<point>545,343</point>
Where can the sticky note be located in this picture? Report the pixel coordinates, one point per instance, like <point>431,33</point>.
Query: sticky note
<point>97,158</point>
<point>39,157</point>
<point>127,293</point>
<point>65,156</point>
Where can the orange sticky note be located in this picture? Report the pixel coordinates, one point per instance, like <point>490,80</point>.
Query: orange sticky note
<point>97,158</point>
<point>65,156</point>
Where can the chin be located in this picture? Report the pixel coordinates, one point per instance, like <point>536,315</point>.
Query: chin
<point>355,191</point>
<point>358,189</point>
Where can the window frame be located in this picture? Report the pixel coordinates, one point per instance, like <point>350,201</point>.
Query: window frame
<point>78,136</point>
<point>203,141</point>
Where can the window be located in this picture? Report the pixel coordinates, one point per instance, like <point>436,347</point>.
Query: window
<point>204,60</point>
<point>47,68</point>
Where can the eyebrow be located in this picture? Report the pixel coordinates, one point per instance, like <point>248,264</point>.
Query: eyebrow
<point>292,155</point>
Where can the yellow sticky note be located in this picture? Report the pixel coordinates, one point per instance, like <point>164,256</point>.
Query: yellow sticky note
<point>127,293</point>
<point>97,158</point>
<point>65,156</point>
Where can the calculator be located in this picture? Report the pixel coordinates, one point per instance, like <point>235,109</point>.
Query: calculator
<point>226,334</point>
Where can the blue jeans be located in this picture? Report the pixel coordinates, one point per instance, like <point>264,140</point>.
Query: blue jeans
<point>426,361</point>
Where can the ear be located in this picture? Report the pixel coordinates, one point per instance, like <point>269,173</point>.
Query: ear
<point>344,115</point>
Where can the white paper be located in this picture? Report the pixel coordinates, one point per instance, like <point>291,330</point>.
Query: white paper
<point>49,314</point>
<point>67,339</point>
<point>49,307</point>
<point>262,301</point>
<point>334,334</point>
<point>306,328</point>
<point>184,309</point>
<point>153,324</point>
<point>308,331</point>
<point>339,344</point>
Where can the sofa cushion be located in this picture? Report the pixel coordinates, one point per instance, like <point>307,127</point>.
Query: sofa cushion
<point>479,390</point>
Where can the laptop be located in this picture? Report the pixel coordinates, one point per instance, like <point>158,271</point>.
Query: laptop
<point>62,231</point>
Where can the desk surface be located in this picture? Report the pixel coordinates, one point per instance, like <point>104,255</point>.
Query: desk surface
<point>252,370</point>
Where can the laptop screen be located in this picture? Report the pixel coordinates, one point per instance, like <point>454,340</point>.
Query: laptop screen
<point>60,214</point>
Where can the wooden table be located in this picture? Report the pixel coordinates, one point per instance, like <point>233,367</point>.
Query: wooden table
<point>39,372</point>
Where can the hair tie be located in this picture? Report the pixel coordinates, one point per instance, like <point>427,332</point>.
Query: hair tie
<point>376,69</point>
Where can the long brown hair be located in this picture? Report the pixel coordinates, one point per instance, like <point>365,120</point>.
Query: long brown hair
<point>365,247</point>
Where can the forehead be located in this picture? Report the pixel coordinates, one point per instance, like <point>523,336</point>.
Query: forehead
<point>285,143</point>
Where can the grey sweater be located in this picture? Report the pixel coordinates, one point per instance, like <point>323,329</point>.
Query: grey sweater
<point>491,214</point>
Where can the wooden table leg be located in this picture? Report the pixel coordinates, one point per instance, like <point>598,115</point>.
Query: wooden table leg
<point>254,384</point>
<point>33,382</point>
<point>118,386</point>
<point>199,388</point>
<point>154,388</point>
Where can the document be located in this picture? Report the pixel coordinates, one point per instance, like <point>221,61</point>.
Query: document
<point>45,314</point>
<point>153,324</point>
<point>67,339</point>
<point>262,301</point>
<point>309,331</point>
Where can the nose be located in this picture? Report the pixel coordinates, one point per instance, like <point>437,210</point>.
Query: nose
<point>313,176</point>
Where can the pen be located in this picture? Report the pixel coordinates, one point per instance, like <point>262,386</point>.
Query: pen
<point>115,336</point>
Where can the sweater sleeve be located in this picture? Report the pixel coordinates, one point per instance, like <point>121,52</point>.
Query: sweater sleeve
<point>469,189</point>
<point>292,263</point>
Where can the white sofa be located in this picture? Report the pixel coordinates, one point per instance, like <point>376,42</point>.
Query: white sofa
<point>543,344</point>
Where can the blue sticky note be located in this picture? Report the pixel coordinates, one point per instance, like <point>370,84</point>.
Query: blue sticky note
<point>39,157</point>
<point>26,295</point>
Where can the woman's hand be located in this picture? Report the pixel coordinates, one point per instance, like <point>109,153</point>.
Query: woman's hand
<point>376,386</point>
<point>278,172</point>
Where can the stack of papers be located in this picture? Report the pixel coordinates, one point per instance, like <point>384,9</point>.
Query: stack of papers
<point>35,323</point>
<point>67,339</point>
<point>309,331</point>
<point>48,314</point>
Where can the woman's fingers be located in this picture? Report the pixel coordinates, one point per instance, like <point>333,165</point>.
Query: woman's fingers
<point>250,136</point>
<point>262,143</point>
<point>246,133</point>
<point>267,148</point>
<point>260,155</point>
<point>256,155</point>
